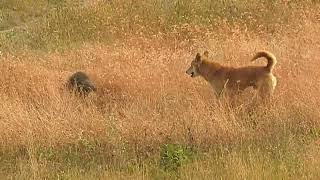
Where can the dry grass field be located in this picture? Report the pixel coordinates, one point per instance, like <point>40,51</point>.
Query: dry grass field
<point>148,118</point>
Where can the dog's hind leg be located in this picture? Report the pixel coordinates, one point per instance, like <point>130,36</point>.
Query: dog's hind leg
<point>266,90</point>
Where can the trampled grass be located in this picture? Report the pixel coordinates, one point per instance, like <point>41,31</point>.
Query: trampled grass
<point>146,108</point>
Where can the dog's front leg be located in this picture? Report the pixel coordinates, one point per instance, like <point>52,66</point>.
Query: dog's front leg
<point>219,88</point>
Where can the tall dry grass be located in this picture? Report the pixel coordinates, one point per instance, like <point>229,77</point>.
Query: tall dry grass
<point>145,100</point>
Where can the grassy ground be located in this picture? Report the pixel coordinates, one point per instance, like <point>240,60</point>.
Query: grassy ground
<point>148,119</point>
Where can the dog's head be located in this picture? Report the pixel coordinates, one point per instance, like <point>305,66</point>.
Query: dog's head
<point>193,70</point>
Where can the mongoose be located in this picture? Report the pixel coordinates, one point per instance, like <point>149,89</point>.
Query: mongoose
<point>81,83</point>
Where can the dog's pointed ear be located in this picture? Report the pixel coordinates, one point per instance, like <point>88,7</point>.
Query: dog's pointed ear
<point>198,57</point>
<point>206,54</point>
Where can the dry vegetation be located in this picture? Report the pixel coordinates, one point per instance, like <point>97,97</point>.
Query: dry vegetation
<point>137,53</point>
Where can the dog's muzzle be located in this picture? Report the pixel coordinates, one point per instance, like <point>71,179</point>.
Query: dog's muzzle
<point>192,74</point>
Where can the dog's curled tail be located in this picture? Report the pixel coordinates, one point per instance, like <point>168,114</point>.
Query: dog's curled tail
<point>272,61</point>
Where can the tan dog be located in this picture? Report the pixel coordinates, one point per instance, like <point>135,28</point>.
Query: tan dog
<point>224,78</point>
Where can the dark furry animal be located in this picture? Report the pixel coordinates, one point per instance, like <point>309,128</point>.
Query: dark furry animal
<point>81,83</point>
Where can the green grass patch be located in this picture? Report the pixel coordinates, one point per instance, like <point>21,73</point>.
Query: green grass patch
<point>51,25</point>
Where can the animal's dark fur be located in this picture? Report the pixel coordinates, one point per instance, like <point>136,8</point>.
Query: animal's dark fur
<point>81,83</point>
